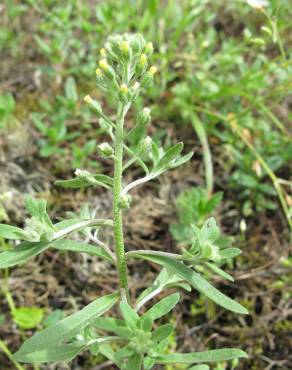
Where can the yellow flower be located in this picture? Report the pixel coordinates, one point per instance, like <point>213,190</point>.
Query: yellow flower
<point>103,64</point>
<point>98,72</point>
<point>102,52</point>
<point>124,88</point>
<point>87,99</point>
<point>124,47</point>
<point>153,70</point>
<point>143,59</point>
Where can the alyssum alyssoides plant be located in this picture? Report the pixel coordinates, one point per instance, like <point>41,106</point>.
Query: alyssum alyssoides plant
<point>134,340</point>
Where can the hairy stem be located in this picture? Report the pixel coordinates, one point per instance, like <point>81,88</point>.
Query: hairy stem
<point>117,213</point>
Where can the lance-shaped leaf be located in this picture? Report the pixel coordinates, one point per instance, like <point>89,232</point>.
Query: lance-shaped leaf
<point>197,281</point>
<point>38,208</point>
<point>116,326</point>
<point>219,271</point>
<point>22,253</point>
<point>135,362</point>
<point>181,160</point>
<point>131,317</point>
<point>162,307</point>
<point>11,232</point>
<point>83,181</point>
<point>63,331</point>
<point>162,332</point>
<point>27,250</point>
<point>163,280</point>
<point>216,355</point>
<point>229,253</point>
<point>170,155</point>
<point>66,352</point>
<point>81,247</point>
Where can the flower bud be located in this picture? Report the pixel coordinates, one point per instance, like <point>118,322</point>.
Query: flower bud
<point>143,59</point>
<point>124,89</point>
<point>105,150</point>
<point>85,175</point>
<point>103,64</point>
<point>124,93</point>
<point>106,68</point>
<point>102,53</point>
<point>210,251</point>
<point>98,73</point>
<point>124,47</point>
<point>95,105</point>
<point>144,144</point>
<point>142,64</point>
<point>125,201</point>
<point>153,70</point>
<point>136,86</point>
<point>87,99</point>
<point>143,117</point>
<point>148,50</point>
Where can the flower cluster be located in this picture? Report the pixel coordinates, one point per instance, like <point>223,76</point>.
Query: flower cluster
<point>123,66</point>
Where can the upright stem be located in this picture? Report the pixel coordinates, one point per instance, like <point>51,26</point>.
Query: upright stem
<point>117,213</point>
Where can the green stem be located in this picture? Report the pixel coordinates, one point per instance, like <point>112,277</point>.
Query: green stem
<point>200,130</point>
<point>117,213</point>
<point>5,349</point>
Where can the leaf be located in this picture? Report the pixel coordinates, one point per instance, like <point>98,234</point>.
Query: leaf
<point>199,367</point>
<point>215,355</point>
<point>71,89</point>
<point>113,325</point>
<point>219,271</point>
<point>210,231</point>
<point>182,160</point>
<point>135,362</point>
<point>2,319</point>
<point>171,154</point>
<point>198,282</point>
<point>38,208</point>
<point>131,317</point>
<point>43,45</point>
<point>61,353</point>
<point>107,351</point>
<point>163,280</point>
<point>81,182</point>
<point>11,232</point>
<point>154,152</point>
<point>55,335</point>
<point>81,247</point>
<point>28,317</point>
<point>162,307</point>
<point>162,332</point>
<point>229,253</point>
<point>53,318</point>
<point>22,253</point>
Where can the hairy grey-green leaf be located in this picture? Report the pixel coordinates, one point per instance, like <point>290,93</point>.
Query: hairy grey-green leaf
<point>81,247</point>
<point>216,355</point>
<point>64,330</point>
<point>162,307</point>
<point>11,232</point>
<point>219,271</point>
<point>81,182</point>
<point>64,353</point>
<point>229,253</point>
<point>22,253</point>
<point>198,282</point>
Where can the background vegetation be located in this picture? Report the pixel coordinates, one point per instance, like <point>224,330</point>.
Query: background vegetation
<point>223,88</point>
